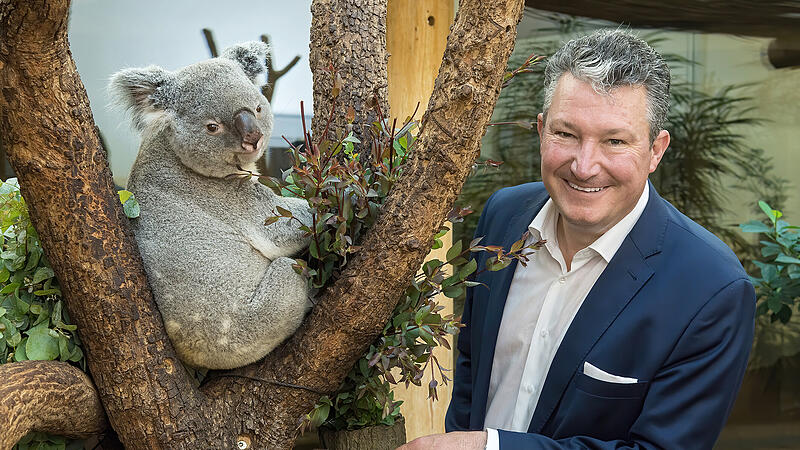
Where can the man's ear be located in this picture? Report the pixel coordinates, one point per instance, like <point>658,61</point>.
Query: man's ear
<point>252,56</point>
<point>660,145</point>
<point>144,91</point>
<point>540,125</point>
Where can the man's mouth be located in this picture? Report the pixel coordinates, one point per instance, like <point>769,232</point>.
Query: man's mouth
<point>584,188</point>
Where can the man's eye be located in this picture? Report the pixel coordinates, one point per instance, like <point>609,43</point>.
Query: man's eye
<point>563,134</point>
<point>616,141</point>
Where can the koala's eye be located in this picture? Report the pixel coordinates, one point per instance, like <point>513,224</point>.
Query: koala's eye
<point>258,108</point>
<point>212,127</point>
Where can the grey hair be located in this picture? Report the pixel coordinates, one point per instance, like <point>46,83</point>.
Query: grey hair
<point>608,59</point>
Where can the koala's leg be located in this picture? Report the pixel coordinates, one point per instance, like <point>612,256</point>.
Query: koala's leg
<point>278,304</point>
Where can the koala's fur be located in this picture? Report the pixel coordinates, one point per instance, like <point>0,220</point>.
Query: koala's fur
<point>222,280</point>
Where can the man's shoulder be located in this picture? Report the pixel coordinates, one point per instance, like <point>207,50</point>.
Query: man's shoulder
<point>702,249</point>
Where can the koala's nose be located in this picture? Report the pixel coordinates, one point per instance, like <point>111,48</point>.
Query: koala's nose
<point>245,123</point>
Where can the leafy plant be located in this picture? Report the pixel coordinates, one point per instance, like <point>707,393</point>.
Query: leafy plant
<point>778,287</point>
<point>33,323</point>
<point>345,191</point>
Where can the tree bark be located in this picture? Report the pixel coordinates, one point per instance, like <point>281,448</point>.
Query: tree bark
<point>350,37</point>
<point>48,396</point>
<point>50,137</point>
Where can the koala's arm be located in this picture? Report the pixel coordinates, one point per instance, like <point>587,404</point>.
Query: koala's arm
<point>281,238</point>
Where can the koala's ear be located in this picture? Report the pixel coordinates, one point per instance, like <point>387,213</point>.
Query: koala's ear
<point>251,56</point>
<point>144,91</point>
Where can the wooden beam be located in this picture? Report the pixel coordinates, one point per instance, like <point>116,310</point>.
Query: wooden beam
<point>765,18</point>
<point>416,34</point>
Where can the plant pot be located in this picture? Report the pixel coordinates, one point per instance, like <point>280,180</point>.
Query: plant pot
<point>377,437</point>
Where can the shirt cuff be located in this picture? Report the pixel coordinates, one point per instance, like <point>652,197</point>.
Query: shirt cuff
<point>492,439</point>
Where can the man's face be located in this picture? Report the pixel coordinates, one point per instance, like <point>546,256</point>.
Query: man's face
<point>596,153</point>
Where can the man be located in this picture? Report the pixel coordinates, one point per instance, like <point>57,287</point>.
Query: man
<point>631,326</point>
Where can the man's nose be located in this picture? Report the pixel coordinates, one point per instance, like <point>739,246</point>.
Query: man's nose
<point>246,124</point>
<point>585,163</point>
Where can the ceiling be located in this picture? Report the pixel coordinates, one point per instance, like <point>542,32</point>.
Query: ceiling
<point>765,18</point>
<point>778,19</point>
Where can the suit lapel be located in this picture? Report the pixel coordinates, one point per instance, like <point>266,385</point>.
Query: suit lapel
<point>625,274</point>
<point>499,284</point>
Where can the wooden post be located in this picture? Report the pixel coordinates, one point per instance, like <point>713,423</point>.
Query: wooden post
<point>416,34</point>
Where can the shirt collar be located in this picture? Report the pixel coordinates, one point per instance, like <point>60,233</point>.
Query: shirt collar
<point>543,226</point>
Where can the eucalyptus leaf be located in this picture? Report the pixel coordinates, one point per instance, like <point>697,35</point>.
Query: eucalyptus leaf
<point>42,273</point>
<point>41,344</point>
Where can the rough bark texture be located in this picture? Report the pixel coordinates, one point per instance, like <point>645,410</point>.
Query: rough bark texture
<point>47,127</point>
<point>50,137</point>
<point>47,396</point>
<point>350,36</point>
<point>380,437</point>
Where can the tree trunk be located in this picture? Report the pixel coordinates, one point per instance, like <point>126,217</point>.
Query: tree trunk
<point>348,36</point>
<point>47,128</point>
<point>378,437</point>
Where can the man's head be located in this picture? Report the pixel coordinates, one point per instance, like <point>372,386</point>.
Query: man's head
<point>606,100</point>
<point>612,58</point>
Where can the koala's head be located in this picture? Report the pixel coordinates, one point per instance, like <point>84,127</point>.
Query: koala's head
<point>213,113</point>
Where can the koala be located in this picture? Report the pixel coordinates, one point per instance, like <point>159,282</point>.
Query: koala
<point>222,280</point>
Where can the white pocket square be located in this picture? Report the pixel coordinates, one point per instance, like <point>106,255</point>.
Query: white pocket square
<point>593,372</point>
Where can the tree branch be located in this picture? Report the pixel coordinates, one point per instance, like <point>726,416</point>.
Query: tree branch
<point>49,135</point>
<point>51,141</point>
<point>212,44</point>
<point>354,310</point>
<point>273,75</point>
<point>42,396</point>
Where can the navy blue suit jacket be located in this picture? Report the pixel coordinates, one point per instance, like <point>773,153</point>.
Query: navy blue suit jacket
<point>673,309</point>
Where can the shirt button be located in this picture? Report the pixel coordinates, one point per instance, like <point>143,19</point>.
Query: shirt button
<point>529,388</point>
<point>562,280</point>
<point>544,333</point>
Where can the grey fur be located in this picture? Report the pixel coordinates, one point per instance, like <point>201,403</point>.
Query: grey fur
<point>611,58</point>
<point>222,280</point>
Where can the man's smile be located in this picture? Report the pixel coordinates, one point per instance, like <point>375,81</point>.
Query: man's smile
<point>585,188</point>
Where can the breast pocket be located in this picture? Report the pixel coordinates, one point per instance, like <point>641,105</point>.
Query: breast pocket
<point>610,390</point>
<point>598,409</point>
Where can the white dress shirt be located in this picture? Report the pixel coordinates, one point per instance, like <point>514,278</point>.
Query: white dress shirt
<point>542,301</point>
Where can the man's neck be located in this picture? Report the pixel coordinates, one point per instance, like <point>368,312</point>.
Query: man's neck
<point>571,240</point>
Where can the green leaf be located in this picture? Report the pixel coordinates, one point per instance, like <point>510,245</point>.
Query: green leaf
<point>63,348</point>
<point>42,273</point>
<point>319,414</point>
<point>46,292</point>
<point>41,345</point>
<point>454,291</point>
<point>33,259</point>
<point>77,354</point>
<point>10,287</point>
<point>283,211</point>
<point>774,304</point>
<point>131,208</point>
<point>755,226</point>
<point>773,214</point>
<point>19,351</point>
<point>454,251</point>
<point>4,274</point>
<point>124,195</point>
<point>782,258</point>
<point>467,269</point>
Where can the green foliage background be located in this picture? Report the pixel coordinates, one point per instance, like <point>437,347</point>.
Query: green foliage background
<point>33,322</point>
